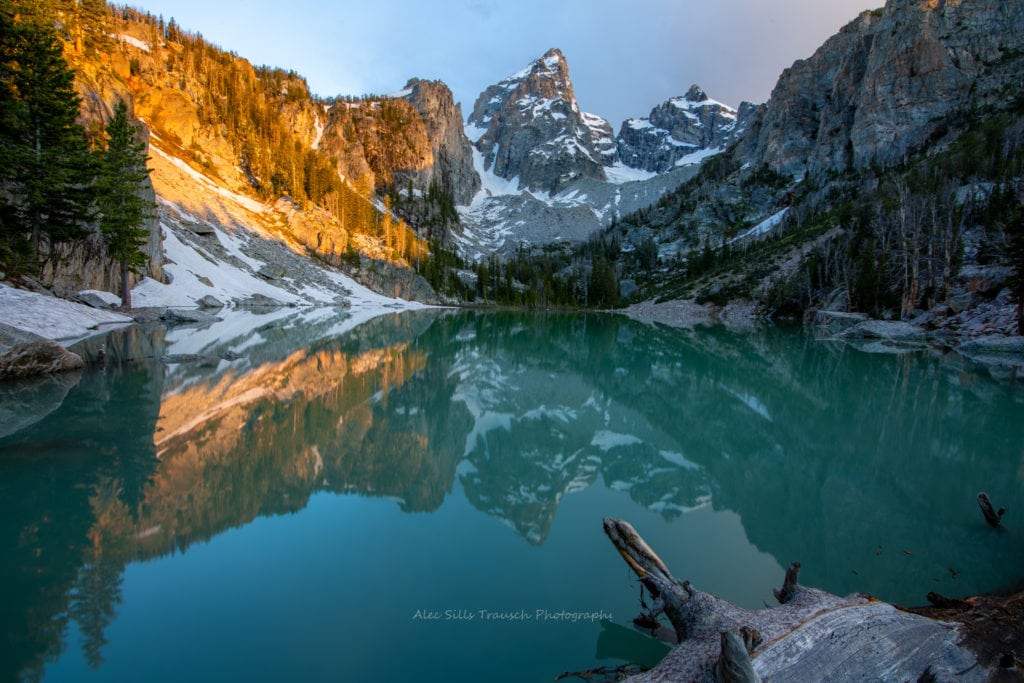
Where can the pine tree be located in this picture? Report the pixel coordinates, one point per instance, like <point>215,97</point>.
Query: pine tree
<point>45,166</point>
<point>123,210</point>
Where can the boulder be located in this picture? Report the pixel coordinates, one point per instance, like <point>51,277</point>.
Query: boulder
<point>832,323</point>
<point>259,301</point>
<point>23,354</point>
<point>200,228</point>
<point>271,271</point>
<point>209,301</point>
<point>189,315</point>
<point>887,330</point>
<point>958,303</point>
<point>149,314</point>
<point>98,298</point>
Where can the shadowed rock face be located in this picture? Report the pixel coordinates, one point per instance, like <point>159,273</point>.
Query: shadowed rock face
<point>534,128</point>
<point>884,85</point>
<point>675,129</point>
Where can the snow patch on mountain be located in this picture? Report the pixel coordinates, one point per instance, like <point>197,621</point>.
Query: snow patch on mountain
<point>246,202</point>
<point>620,173</point>
<point>763,227</point>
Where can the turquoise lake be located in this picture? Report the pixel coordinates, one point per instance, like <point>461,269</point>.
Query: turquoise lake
<point>286,497</point>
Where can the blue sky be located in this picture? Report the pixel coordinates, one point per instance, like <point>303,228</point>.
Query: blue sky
<point>624,57</point>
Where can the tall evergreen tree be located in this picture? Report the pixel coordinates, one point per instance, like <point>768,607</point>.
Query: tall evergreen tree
<point>45,165</point>
<point>123,209</point>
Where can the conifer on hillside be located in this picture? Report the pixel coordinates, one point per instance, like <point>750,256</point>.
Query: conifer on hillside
<point>123,209</point>
<point>46,169</point>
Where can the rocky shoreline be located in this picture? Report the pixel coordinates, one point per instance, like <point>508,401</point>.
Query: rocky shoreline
<point>984,334</point>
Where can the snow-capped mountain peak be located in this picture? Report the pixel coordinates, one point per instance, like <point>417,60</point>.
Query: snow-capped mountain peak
<point>534,130</point>
<point>676,132</point>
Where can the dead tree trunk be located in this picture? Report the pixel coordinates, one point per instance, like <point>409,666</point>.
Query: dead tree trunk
<point>812,635</point>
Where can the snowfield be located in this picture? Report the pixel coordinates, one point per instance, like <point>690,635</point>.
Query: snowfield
<point>56,319</point>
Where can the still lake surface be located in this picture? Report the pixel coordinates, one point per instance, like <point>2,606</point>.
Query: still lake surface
<point>420,497</point>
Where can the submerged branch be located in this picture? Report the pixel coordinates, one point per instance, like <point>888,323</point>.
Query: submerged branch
<point>992,516</point>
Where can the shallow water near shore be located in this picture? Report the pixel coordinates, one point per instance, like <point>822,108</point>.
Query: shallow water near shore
<point>421,497</point>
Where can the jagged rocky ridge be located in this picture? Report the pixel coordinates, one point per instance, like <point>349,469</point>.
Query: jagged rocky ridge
<point>675,130</point>
<point>907,119</point>
<point>553,172</point>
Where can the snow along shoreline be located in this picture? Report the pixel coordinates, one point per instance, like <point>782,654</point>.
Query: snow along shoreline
<point>68,322</point>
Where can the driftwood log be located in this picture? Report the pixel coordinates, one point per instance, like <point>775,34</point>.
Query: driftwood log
<point>811,636</point>
<point>992,516</point>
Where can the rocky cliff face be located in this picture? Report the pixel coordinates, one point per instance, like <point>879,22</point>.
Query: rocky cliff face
<point>886,84</point>
<point>674,130</point>
<point>533,129</point>
<point>86,264</point>
<point>453,155</point>
<point>378,141</point>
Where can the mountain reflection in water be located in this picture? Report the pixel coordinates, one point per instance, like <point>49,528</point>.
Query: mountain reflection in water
<point>863,467</point>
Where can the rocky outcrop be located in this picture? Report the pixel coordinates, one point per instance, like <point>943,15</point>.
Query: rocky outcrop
<point>533,128</point>
<point>383,138</point>
<point>675,129</point>
<point>453,154</point>
<point>24,354</point>
<point>887,84</point>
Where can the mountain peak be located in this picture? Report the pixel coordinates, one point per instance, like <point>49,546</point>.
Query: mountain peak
<point>552,64</point>
<point>681,131</point>
<point>529,126</point>
<point>552,57</point>
<point>696,94</point>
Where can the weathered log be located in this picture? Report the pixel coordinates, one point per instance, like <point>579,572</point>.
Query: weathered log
<point>992,516</point>
<point>734,665</point>
<point>812,635</point>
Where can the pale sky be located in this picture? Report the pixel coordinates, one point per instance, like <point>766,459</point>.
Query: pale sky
<point>624,57</point>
